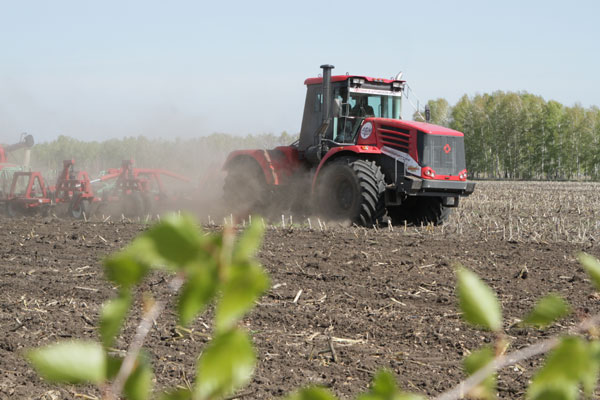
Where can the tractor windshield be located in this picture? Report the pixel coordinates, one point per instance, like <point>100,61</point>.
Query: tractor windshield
<point>358,104</point>
<point>374,105</point>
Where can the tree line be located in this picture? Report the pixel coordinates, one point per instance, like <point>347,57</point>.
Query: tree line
<point>508,135</point>
<point>191,157</point>
<point>511,135</point>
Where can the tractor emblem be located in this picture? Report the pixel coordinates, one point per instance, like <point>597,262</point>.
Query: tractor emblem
<point>447,148</point>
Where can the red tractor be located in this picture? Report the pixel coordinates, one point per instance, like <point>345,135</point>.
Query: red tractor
<point>355,160</point>
<point>7,169</point>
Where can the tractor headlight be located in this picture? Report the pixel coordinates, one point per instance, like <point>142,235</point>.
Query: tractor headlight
<point>366,130</point>
<point>428,172</point>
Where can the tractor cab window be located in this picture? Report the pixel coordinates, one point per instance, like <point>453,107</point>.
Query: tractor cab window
<point>318,102</point>
<point>360,104</point>
<point>367,105</point>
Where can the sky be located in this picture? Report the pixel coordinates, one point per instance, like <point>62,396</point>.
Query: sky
<point>95,70</point>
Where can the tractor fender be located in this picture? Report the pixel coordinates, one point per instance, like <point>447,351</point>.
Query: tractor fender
<point>259,156</point>
<point>343,151</point>
<point>278,165</point>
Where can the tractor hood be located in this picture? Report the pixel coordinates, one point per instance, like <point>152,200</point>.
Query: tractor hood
<point>421,146</point>
<point>419,126</point>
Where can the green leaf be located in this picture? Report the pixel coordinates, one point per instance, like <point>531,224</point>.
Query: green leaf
<point>176,239</point>
<point>477,301</point>
<point>384,387</point>
<point>547,310</point>
<point>112,315</point>
<point>143,250</point>
<point>70,362</point>
<point>384,384</point>
<point>226,365</point>
<point>474,362</point>
<point>123,269</point>
<point>569,363</point>
<point>558,390</point>
<point>312,393</point>
<point>589,379</point>
<point>180,394</point>
<point>245,283</point>
<point>248,243</point>
<point>113,365</point>
<point>199,289</point>
<point>592,267</point>
<point>139,384</point>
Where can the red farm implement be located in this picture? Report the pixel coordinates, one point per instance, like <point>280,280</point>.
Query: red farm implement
<point>138,191</point>
<point>73,188</point>
<point>127,190</point>
<point>28,195</point>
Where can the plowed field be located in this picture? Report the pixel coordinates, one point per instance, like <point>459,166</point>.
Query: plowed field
<point>344,302</point>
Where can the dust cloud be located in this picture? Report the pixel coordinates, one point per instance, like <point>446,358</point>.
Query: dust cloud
<point>191,174</point>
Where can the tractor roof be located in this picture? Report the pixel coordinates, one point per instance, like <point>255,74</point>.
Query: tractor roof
<point>341,78</point>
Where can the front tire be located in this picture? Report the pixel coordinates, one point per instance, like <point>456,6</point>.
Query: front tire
<point>352,190</point>
<point>420,211</point>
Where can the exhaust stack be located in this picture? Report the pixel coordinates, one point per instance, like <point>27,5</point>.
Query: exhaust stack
<point>314,151</point>
<point>327,94</point>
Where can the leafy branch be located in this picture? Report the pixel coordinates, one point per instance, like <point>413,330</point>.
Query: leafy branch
<point>208,268</point>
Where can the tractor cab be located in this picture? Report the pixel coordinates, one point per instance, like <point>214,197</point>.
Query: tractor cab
<point>353,99</point>
<point>357,99</point>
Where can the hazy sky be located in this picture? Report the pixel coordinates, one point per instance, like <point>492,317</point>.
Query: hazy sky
<point>102,69</point>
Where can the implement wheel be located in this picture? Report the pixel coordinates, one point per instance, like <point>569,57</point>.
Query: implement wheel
<point>245,189</point>
<point>12,209</point>
<point>148,202</point>
<point>132,205</point>
<point>78,207</point>
<point>352,190</point>
<point>420,211</point>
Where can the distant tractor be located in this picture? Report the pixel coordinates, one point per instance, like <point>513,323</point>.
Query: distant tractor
<point>7,169</point>
<point>355,160</point>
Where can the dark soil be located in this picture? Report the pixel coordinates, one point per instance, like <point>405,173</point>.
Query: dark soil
<point>377,298</point>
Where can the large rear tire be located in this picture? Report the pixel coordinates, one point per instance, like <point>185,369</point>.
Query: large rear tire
<point>245,189</point>
<point>420,211</point>
<point>352,190</point>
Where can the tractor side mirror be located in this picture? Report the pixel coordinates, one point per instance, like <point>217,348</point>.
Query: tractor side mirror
<point>337,108</point>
